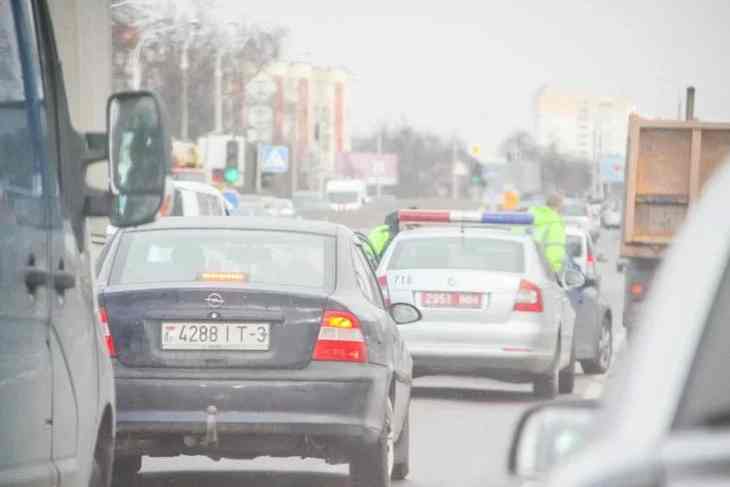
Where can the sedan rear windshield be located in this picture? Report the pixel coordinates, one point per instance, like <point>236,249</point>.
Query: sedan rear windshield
<point>482,254</point>
<point>247,256</point>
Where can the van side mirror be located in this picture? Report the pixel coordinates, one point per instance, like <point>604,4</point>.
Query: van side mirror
<point>139,155</point>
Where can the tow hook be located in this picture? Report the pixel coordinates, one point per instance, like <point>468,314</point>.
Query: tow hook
<point>211,428</point>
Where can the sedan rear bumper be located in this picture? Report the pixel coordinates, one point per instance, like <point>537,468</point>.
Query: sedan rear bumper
<point>326,403</point>
<point>515,351</point>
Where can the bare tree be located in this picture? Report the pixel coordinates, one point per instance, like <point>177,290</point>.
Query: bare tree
<point>171,38</point>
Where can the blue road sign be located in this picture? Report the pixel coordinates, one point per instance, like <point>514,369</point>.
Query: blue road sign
<point>274,159</point>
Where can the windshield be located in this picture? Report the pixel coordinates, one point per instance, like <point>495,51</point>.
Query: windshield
<point>480,254</point>
<point>251,257</point>
<point>343,197</point>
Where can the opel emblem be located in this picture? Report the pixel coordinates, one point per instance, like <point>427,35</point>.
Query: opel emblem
<point>214,300</point>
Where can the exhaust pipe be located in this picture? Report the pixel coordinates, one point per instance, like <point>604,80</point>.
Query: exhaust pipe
<point>211,428</point>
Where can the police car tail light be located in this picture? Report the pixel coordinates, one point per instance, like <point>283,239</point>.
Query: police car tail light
<point>383,282</point>
<point>108,339</point>
<point>340,338</point>
<point>529,298</point>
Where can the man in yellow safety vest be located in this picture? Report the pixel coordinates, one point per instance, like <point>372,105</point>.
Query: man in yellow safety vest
<point>549,231</point>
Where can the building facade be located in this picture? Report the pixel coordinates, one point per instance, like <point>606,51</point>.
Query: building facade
<point>305,108</point>
<point>582,126</point>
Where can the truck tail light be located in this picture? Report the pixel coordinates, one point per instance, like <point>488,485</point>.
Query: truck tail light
<point>383,282</point>
<point>108,339</point>
<point>637,290</point>
<point>529,298</point>
<point>340,338</point>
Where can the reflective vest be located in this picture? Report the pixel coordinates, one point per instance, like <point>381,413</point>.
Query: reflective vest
<point>379,238</point>
<point>550,233</point>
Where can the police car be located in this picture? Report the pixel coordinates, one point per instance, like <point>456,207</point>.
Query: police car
<point>491,305</point>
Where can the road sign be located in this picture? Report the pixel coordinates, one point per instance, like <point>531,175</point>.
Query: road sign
<point>475,150</point>
<point>260,116</point>
<point>274,159</point>
<point>459,169</point>
<point>261,88</point>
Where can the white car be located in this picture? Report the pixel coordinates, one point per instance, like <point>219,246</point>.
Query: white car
<point>189,198</point>
<point>582,250</point>
<point>491,305</point>
<point>578,212</point>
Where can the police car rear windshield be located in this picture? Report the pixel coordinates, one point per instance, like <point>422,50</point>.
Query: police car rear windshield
<point>482,254</point>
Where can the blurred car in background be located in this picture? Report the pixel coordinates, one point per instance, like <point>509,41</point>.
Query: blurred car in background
<point>578,212</point>
<point>593,316</point>
<point>189,198</point>
<point>306,201</point>
<point>611,215</point>
<point>281,207</point>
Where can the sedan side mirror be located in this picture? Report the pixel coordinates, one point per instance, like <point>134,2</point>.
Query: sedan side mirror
<point>547,433</point>
<point>404,313</point>
<point>139,155</point>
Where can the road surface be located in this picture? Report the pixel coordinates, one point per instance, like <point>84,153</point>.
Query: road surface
<point>461,430</point>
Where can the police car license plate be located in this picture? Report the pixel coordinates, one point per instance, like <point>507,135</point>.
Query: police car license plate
<point>451,300</point>
<point>215,336</point>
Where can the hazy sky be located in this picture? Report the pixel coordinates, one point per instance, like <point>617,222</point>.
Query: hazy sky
<point>472,67</point>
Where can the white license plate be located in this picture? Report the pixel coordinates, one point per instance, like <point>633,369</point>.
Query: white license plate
<point>216,336</point>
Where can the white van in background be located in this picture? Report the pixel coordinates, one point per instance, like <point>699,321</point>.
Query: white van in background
<point>346,194</point>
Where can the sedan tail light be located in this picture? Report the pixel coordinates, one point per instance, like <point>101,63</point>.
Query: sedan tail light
<point>340,338</point>
<point>529,298</point>
<point>108,339</point>
<point>383,282</point>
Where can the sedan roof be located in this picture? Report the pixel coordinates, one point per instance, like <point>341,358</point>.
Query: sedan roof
<point>241,223</point>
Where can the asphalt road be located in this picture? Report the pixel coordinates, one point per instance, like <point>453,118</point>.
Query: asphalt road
<point>461,430</point>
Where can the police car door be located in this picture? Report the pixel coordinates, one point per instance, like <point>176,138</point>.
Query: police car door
<point>25,363</point>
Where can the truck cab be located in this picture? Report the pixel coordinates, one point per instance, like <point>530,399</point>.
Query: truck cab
<point>57,402</point>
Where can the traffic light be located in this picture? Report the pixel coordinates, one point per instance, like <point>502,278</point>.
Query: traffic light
<point>476,175</point>
<point>231,173</point>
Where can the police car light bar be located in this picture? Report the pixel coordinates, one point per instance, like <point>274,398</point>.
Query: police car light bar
<point>450,216</point>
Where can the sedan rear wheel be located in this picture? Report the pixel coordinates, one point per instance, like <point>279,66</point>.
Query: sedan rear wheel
<point>604,352</point>
<point>372,465</point>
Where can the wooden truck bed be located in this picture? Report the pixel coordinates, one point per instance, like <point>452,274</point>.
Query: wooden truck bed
<point>668,162</point>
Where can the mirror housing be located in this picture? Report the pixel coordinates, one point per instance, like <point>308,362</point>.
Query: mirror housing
<point>404,313</point>
<point>139,157</point>
<point>571,279</point>
<point>547,433</point>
